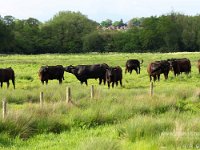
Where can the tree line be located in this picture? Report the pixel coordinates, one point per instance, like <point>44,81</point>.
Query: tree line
<point>73,32</point>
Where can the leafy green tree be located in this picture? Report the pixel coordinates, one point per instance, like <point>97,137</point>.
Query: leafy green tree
<point>150,37</point>
<point>170,32</point>
<point>27,35</point>
<point>118,23</point>
<point>106,23</point>
<point>6,37</point>
<point>67,29</point>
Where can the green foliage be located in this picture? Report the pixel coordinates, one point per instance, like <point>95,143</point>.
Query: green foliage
<point>73,32</point>
<point>144,127</point>
<point>66,30</point>
<point>106,23</point>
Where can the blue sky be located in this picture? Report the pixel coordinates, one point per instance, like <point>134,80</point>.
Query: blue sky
<point>97,10</point>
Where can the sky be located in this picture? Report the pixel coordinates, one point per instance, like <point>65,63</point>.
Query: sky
<point>97,10</point>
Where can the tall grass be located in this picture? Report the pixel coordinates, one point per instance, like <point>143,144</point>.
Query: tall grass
<point>137,121</point>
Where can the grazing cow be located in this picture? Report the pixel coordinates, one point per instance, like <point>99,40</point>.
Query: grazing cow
<point>51,72</point>
<point>133,64</point>
<point>180,65</point>
<point>84,72</point>
<point>6,75</point>
<point>113,75</point>
<point>156,68</point>
<point>198,64</point>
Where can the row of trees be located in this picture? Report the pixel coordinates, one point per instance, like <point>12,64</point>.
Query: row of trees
<point>73,32</point>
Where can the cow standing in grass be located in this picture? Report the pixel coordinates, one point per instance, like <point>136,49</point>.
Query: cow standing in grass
<point>113,75</point>
<point>6,75</point>
<point>133,64</point>
<point>50,73</point>
<point>85,72</point>
<point>156,68</point>
<point>180,65</point>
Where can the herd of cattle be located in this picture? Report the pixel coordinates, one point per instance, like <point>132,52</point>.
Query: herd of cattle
<point>105,73</point>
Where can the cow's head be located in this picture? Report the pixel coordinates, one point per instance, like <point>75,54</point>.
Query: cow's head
<point>110,73</point>
<point>70,68</point>
<point>43,70</point>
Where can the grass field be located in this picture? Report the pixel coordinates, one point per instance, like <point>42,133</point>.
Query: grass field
<point>119,118</point>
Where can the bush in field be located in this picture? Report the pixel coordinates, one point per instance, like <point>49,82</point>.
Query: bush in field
<point>140,128</point>
<point>26,123</point>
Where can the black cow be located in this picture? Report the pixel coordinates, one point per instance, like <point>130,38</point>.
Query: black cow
<point>156,68</point>
<point>6,75</point>
<point>51,72</point>
<point>180,65</point>
<point>133,64</point>
<point>85,72</point>
<point>113,75</point>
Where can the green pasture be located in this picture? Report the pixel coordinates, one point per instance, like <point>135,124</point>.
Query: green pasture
<point>118,118</point>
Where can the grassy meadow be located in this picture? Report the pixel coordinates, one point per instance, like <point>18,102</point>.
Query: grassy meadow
<point>118,118</point>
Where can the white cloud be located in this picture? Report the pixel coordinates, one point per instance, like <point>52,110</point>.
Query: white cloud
<point>97,9</point>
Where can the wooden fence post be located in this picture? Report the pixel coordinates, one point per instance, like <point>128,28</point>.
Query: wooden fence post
<point>151,89</point>
<point>4,108</point>
<point>41,99</point>
<point>92,92</point>
<point>68,95</point>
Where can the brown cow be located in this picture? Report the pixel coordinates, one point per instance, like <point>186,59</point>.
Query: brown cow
<point>6,75</point>
<point>180,65</point>
<point>156,68</point>
<point>51,72</point>
<point>113,75</point>
<point>198,64</point>
<point>133,64</point>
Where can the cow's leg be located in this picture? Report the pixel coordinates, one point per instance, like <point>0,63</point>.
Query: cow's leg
<point>46,82</point>
<point>100,81</point>
<point>158,77</point>
<point>131,71</point>
<point>166,76</point>
<point>139,70</point>
<point>154,78</point>
<point>136,70</point>
<point>8,83</point>
<point>108,84</point>
<point>1,84</point>
<point>42,82</point>
<point>113,84</point>
<point>86,82</point>
<point>60,81</point>
<point>116,83</point>
<point>13,82</point>
<point>150,78</point>
<point>104,81</point>
<point>120,81</point>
